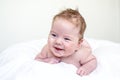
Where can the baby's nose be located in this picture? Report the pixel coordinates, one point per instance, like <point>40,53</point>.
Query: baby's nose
<point>59,41</point>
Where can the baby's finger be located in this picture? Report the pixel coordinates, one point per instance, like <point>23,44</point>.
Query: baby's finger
<point>80,72</point>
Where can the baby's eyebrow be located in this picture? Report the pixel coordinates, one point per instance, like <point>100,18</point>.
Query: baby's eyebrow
<point>52,31</point>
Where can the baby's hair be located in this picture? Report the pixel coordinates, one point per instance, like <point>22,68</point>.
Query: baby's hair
<point>74,17</point>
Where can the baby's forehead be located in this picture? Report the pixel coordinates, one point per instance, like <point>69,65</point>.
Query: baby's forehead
<point>74,21</point>
<point>71,21</point>
<point>68,25</point>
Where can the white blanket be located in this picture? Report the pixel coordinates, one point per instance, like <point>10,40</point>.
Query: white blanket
<point>17,63</point>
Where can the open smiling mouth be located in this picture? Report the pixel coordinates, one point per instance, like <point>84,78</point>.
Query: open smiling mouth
<point>58,49</point>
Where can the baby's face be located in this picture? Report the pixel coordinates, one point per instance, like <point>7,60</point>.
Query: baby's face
<point>63,38</point>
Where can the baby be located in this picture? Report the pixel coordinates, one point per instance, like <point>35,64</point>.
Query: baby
<point>66,43</point>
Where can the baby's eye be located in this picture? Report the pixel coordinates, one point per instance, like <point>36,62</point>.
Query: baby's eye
<point>54,35</point>
<point>67,39</point>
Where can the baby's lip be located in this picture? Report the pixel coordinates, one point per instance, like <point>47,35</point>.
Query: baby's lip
<point>57,48</point>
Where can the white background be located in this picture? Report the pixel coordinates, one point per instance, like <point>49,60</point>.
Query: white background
<point>25,20</point>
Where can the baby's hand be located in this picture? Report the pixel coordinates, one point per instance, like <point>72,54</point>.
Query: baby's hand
<point>82,71</point>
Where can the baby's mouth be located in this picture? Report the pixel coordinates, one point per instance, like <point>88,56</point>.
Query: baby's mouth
<point>59,49</point>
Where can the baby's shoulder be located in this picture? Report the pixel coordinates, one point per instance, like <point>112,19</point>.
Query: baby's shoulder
<point>85,43</point>
<point>44,49</point>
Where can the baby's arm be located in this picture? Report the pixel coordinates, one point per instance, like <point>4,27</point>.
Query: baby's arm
<point>88,61</point>
<point>44,56</point>
<point>87,67</point>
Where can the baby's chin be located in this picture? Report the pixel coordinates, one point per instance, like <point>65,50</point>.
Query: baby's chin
<point>58,55</point>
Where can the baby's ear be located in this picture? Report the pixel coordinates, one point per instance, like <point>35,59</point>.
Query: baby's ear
<point>79,43</point>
